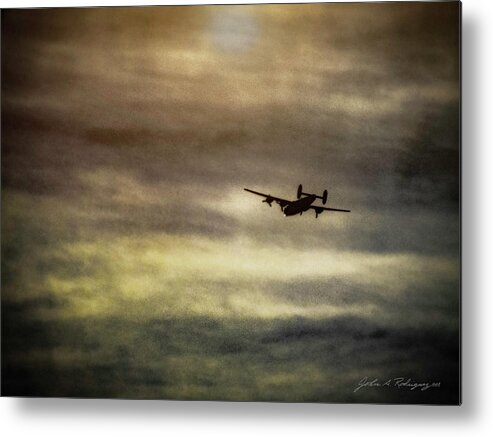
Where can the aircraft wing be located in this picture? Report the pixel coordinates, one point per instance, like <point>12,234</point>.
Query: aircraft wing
<point>320,208</point>
<point>269,198</point>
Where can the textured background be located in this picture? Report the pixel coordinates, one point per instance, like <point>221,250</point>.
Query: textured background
<point>134,264</point>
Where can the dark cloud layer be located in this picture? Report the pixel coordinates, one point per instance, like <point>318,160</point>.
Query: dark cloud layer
<point>178,358</point>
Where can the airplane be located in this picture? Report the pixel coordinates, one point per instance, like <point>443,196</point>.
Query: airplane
<point>293,207</point>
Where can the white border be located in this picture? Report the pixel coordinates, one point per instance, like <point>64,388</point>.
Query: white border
<point>58,417</point>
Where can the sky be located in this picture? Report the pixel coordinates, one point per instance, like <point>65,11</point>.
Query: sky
<point>135,265</point>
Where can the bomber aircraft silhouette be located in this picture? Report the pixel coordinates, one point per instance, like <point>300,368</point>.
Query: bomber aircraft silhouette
<point>293,207</point>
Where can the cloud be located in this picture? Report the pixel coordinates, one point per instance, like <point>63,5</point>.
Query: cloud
<point>202,358</point>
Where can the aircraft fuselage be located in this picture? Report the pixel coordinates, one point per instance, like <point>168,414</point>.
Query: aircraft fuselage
<point>299,206</point>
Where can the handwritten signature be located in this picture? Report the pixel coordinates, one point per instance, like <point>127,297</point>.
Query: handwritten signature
<point>400,383</point>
